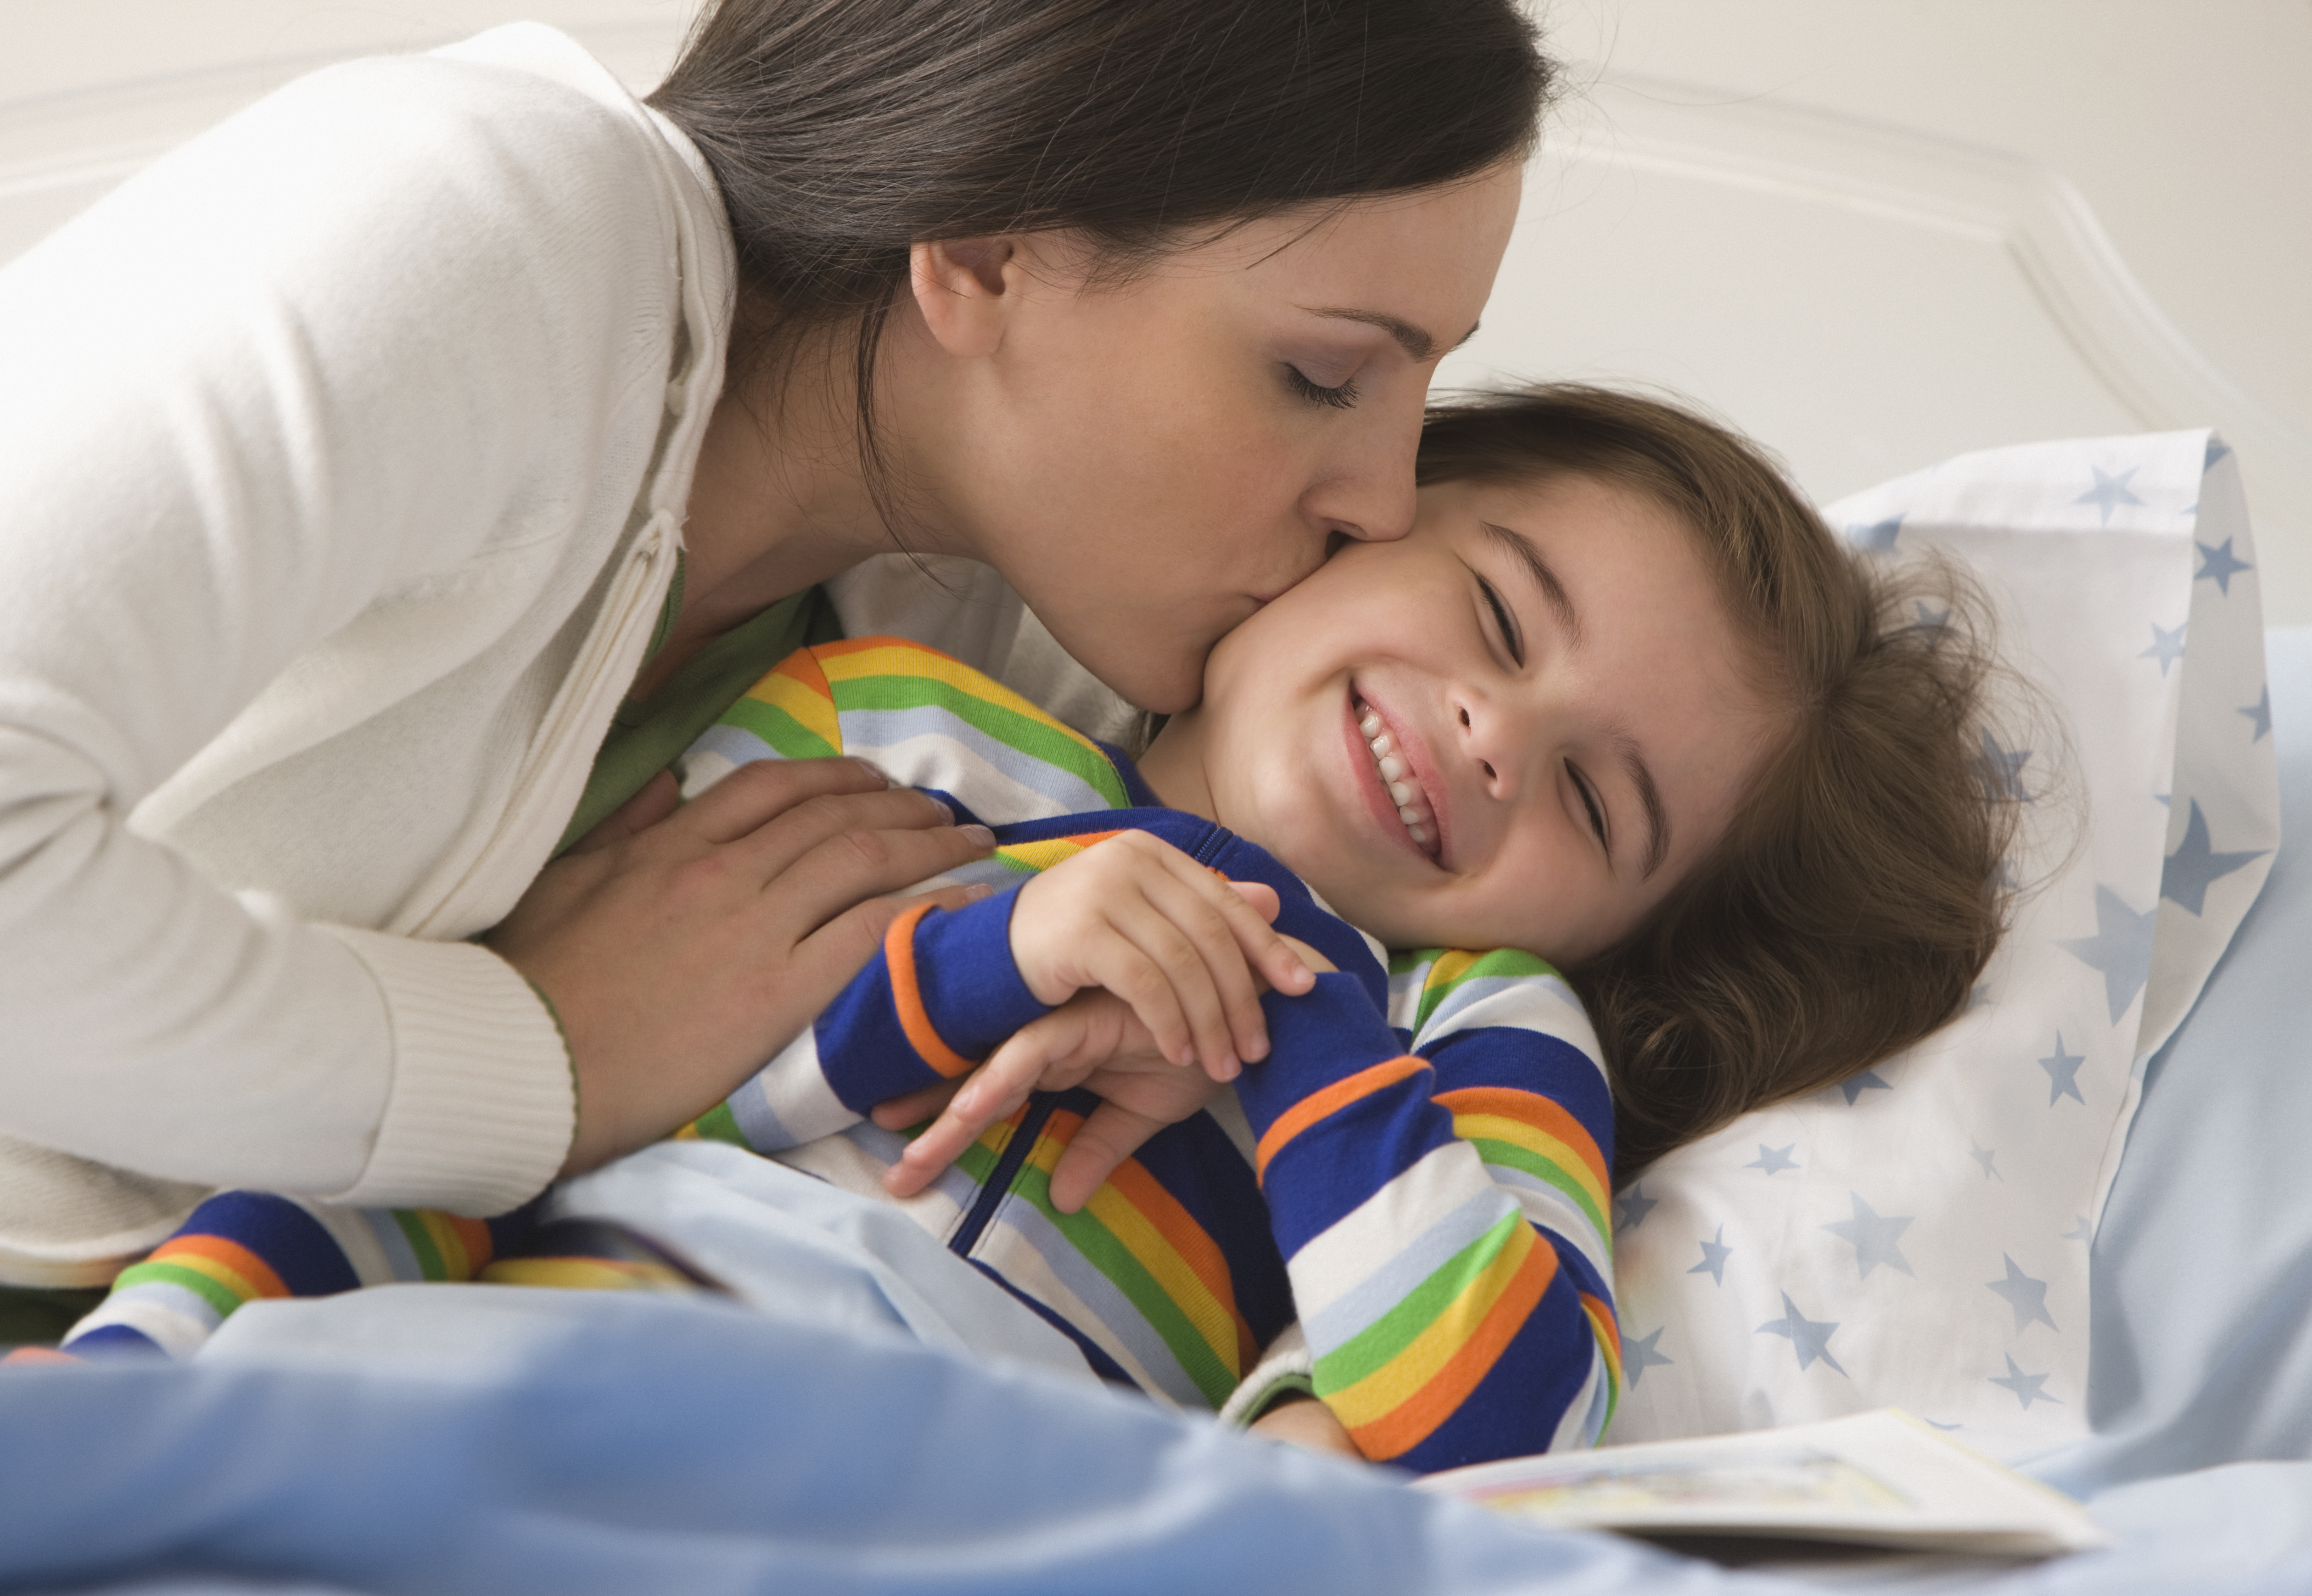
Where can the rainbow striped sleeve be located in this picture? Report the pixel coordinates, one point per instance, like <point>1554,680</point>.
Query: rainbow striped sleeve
<point>238,1247</point>
<point>1440,1207</point>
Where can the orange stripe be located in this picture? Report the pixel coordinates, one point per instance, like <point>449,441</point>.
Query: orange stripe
<point>1607,1328</point>
<point>233,1255</point>
<point>899,953</point>
<point>1184,1236</point>
<point>1332,1098</point>
<point>476,1235</point>
<point>1412,1421</point>
<point>1543,1113</point>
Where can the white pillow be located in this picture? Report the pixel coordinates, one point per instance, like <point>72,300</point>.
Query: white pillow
<point>1919,1235</point>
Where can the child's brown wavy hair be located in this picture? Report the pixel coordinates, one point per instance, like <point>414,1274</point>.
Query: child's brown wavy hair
<point>1859,889</point>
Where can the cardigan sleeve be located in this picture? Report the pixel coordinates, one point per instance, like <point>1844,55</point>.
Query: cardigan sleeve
<point>347,357</point>
<point>1441,1211</point>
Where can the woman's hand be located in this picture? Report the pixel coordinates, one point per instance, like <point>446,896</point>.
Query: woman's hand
<point>683,944</point>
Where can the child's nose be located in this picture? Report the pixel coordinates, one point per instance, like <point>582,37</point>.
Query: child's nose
<point>1491,741</point>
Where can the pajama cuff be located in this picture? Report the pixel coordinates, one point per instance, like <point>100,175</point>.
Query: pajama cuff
<point>482,1106</point>
<point>1288,1368</point>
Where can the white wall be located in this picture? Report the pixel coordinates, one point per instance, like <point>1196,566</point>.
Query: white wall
<point>2185,124</point>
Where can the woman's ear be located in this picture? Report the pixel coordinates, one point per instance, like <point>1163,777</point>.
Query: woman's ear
<point>965,289</point>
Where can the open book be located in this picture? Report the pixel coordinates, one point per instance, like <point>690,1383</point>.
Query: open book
<point>1879,1478</point>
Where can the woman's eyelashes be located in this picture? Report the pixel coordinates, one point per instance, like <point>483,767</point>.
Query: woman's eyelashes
<point>1339,397</point>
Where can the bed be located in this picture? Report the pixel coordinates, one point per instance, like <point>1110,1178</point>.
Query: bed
<point>850,1426</point>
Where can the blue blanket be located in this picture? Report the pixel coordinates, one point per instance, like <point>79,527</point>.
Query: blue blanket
<point>864,1419</point>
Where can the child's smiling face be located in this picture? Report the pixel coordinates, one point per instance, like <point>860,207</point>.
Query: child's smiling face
<point>1545,672</point>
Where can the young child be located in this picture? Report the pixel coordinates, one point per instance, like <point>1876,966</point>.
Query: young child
<point>1618,702</point>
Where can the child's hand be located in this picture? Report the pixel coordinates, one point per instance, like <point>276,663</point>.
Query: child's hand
<point>1187,950</point>
<point>1094,1040</point>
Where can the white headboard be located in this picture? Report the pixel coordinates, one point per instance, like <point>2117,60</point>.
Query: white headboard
<point>1864,300</point>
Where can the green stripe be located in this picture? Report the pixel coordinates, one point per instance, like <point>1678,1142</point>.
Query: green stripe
<point>1380,1342</point>
<point>1509,1155</point>
<point>1105,1251</point>
<point>718,1124</point>
<point>216,1293</point>
<point>1500,964</point>
<point>788,737</point>
<point>1009,727</point>
<point>429,1258</point>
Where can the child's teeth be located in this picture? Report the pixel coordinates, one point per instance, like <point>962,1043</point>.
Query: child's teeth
<point>1395,772</point>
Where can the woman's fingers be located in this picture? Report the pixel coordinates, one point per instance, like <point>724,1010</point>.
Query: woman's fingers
<point>659,797</point>
<point>753,794</point>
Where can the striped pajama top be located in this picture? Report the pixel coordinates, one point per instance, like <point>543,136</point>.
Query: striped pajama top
<point>1418,1172</point>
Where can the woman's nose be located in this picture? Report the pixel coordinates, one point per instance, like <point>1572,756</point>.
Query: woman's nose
<point>1368,493</point>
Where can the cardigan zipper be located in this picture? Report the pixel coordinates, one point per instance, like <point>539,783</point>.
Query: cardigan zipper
<point>998,1179</point>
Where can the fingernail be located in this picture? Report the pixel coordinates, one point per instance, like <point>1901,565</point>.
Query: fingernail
<point>977,890</point>
<point>979,836</point>
<point>947,814</point>
<point>877,771</point>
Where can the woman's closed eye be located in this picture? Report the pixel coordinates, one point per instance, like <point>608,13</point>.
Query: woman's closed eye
<point>1339,397</point>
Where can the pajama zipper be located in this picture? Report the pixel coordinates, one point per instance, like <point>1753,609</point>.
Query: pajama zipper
<point>1007,1167</point>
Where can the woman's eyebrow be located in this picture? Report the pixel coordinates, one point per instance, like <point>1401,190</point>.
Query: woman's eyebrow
<point>1417,342</point>
<point>1520,548</point>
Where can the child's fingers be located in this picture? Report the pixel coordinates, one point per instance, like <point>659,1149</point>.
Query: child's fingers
<point>1109,1135</point>
<point>912,1109</point>
<point>1053,1052</point>
<point>1263,897</point>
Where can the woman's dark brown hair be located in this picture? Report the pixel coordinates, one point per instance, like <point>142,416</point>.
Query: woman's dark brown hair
<point>1859,890</point>
<point>843,131</point>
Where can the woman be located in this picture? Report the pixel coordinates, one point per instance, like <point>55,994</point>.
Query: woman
<point>361,458</point>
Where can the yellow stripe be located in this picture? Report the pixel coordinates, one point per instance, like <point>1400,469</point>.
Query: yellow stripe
<point>1518,1133</point>
<point>1447,969</point>
<point>1377,1393</point>
<point>1173,1274</point>
<point>1041,856</point>
<point>449,1244</point>
<point>911,659</point>
<point>813,711</point>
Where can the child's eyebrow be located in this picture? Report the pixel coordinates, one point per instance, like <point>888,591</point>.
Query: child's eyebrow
<point>1520,548</point>
<point>1648,799</point>
<point>1625,748</point>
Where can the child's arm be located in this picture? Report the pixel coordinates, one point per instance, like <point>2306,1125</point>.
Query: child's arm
<point>1131,914</point>
<point>1442,1213</point>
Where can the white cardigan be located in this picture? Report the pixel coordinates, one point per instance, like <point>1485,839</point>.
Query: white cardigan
<point>343,455</point>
